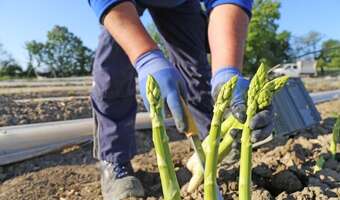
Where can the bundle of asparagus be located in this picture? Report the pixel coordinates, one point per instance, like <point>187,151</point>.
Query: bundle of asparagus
<point>261,95</point>
<point>166,169</point>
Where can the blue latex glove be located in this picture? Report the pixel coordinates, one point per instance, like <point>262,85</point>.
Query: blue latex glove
<point>222,76</point>
<point>262,124</point>
<point>169,79</point>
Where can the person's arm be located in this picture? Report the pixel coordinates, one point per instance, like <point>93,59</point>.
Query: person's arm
<point>124,25</point>
<point>121,19</point>
<point>227,33</point>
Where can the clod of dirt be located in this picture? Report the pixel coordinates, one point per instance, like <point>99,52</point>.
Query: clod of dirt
<point>283,196</point>
<point>310,193</point>
<point>330,177</point>
<point>286,181</point>
<point>183,175</point>
<point>197,194</point>
<point>305,144</point>
<point>262,170</point>
<point>228,175</point>
<point>261,194</point>
<point>332,164</point>
<point>336,191</point>
<point>300,153</point>
<point>312,181</point>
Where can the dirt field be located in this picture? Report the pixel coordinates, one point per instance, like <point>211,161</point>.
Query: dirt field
<point>282,169</point>
<point>19,99</point>
<point>322,84</point>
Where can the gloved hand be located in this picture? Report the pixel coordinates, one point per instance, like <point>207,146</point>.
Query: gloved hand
<point>262,124</point>
<point>170,81</point>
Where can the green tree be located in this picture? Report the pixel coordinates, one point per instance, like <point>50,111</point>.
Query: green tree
<point>35,57</point>
<point>306,46</point>
<point>264,42</point>
<point>330,54</point>
<point>8,66</point>
<point>63,53</point>
<point>312,42</point>
<point>30,71</point>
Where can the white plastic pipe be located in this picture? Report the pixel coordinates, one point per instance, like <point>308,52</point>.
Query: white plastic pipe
<point>26,141</point>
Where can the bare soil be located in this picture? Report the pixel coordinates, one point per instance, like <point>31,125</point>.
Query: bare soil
<point>33,112</point>
<point>282,169</point>
<point>322,83</point>
<point>329,109</point>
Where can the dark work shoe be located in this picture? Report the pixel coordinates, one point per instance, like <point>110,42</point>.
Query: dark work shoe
<point>118,181</point>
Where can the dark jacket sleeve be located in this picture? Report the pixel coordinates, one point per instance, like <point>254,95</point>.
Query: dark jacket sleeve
<point>246,5</point>
<point>101,7</point>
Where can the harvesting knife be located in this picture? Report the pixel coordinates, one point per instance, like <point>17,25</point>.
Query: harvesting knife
<point>192,134</point>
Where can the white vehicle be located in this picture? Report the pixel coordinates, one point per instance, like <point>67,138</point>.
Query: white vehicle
<point>302,67</point>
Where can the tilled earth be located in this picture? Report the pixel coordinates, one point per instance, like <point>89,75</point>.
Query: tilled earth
<point>19,103</point>
<point>282,169</point>
<point>322,83</point>
<point>13,113</point>
<point>32,111</point>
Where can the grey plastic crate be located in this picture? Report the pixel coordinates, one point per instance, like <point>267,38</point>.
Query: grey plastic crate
<point>294,109</point>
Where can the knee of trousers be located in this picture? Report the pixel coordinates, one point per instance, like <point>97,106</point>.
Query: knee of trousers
<point>114,96</point>
<point>113,76</point>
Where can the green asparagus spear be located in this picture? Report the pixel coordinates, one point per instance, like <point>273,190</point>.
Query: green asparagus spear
<point>222,102</point>
<point>259,96</point>
<point>335,137</point>
<point>169,182</point>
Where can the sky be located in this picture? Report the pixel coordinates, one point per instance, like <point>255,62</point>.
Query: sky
<point>25,20</point>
